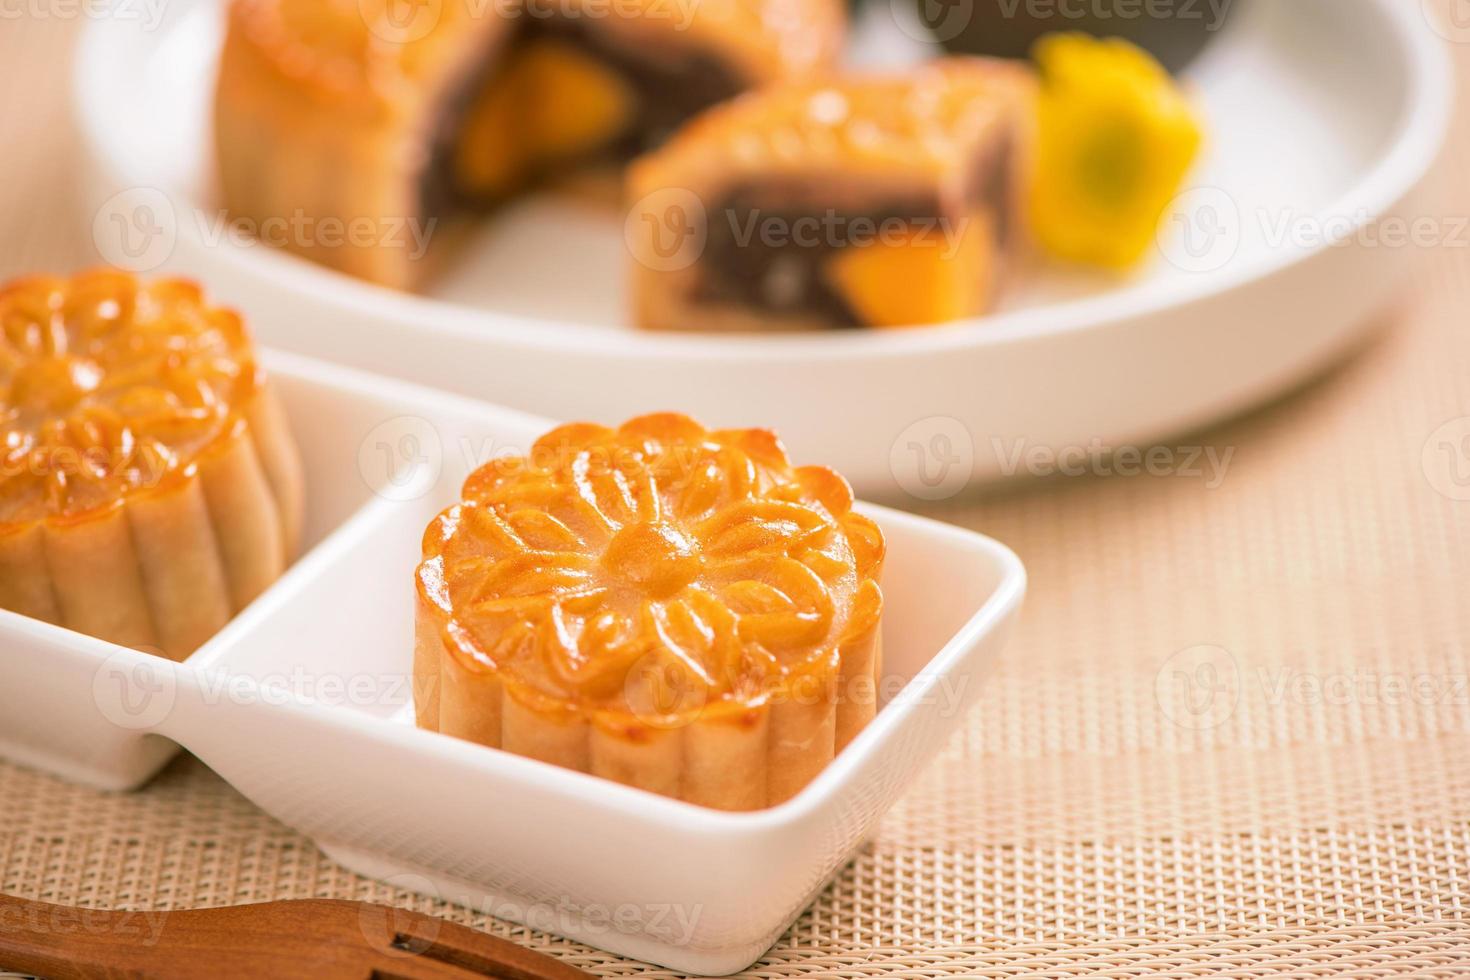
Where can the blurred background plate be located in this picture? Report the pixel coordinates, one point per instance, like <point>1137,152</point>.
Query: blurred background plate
<point>1323,117</point>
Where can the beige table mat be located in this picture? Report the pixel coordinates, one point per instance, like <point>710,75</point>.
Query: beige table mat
<point>1294,796</point>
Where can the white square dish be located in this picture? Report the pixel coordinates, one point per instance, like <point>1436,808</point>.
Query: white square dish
<point>303,703</point>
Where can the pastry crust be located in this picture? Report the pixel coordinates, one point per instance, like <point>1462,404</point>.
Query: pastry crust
<point>151,488</point>
<point>672,608</point>
<point>940,151</point>
<point>327,113</point>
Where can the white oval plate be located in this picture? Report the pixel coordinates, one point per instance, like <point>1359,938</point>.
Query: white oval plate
<point>1323,119</point>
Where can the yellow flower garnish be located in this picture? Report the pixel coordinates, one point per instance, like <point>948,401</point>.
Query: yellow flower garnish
<point>1115,140</point>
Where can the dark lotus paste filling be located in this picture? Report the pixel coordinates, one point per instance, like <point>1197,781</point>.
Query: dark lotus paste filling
<point>745,262</point>
<point>669,86</point>
<point>743,267</point>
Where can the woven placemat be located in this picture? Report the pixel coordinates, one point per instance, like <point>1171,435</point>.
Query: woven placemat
<point>1232,736</point>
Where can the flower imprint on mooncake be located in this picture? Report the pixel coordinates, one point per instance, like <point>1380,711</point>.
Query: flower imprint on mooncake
<point>635,585</point>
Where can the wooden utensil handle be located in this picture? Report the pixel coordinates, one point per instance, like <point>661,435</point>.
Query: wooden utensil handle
<point>324,939</point>
<point>61,942</point>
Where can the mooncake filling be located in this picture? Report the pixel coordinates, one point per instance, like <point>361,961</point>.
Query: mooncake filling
<point>862,200</point>
<point>764,254</point>
<point>557,97</point>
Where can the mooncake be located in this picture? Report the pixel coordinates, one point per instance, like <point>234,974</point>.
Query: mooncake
<point>364,133</point>
<point>151,486</point>
<point>673,608</point>
<point>860,201</point>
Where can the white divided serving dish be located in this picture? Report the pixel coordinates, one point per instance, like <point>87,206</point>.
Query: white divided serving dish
<point>1323,117</point>
<point>303,703</point>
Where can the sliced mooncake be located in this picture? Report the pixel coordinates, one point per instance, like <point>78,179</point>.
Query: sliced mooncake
<point>358,132</point>
<point>868,200</point>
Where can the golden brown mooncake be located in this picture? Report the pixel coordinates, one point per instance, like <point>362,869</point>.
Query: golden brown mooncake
<point>672,608</point>
<point>151,487</point>
<point>866,200</point>
<point>358,132</point>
